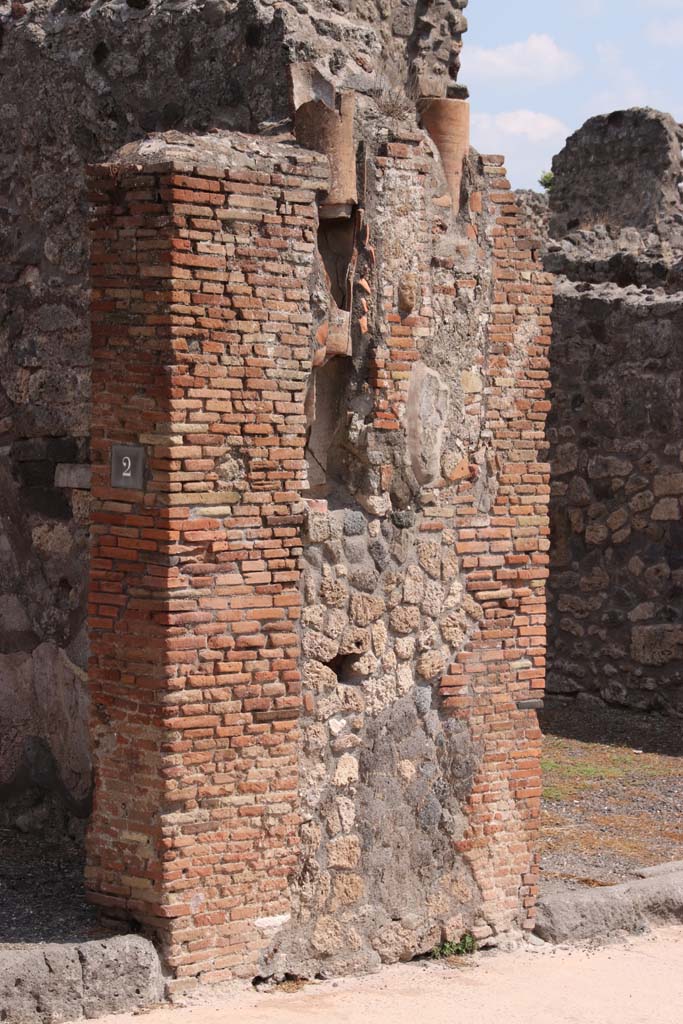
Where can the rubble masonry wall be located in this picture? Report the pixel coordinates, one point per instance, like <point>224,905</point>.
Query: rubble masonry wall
<point>616,426</point>
<point>79,80</point>
<point>327,702</point>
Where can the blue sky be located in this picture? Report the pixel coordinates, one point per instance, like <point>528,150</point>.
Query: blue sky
<point>537,69</point>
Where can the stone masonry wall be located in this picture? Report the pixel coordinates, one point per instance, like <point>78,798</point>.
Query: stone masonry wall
<point>424,615</point>
<point>317,628</point>
<point>78,80</point>
<point>616,428</point>
<point>336,757</point>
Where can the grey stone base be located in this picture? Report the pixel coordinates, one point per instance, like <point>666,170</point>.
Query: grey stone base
<point>47,984</point>
<point>575,916</point>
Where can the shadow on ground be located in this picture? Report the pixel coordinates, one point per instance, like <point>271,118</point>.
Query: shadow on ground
<point>612,795</point>
<point>42,898</point>
<point>594,722</point>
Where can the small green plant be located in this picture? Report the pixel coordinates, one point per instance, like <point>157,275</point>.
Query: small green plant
<point>547,180</point>
<point>554,793</point>
<point>464,947</point>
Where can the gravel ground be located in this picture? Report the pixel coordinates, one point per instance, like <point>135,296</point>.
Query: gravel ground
<point>613,794</point>
<point>41,891</point>
<point>594,722</point>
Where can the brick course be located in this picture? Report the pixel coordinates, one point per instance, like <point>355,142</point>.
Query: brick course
<point>499,681</point>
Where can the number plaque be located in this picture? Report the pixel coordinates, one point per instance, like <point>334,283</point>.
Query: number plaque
<point>128,466</point>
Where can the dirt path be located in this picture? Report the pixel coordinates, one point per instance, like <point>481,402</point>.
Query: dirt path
<point>636,982</point>
<point>613,796</point>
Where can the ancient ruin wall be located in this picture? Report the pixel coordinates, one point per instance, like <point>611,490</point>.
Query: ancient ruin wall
<point>317,629</point>
<point>423,621</point>
<point>616,428</point>
<point>360,788</point>
<point>78,80</point>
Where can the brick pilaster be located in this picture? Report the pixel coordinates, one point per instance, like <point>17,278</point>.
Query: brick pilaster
<point>498,682</point>
<point>201,353</point>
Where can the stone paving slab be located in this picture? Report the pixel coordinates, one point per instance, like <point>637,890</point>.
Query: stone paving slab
<point>50,983</point>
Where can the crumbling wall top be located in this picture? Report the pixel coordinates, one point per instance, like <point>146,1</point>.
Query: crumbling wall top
<point>218,151</point>
<point>361,45</point>
<point>620,170</point>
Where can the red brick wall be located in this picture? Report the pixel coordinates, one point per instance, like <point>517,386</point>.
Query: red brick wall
<point>497,683</point>
<point>201,354</point>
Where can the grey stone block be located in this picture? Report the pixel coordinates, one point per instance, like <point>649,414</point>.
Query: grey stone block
<point>40,984</point>
<point>656,870</point>
<point>354,523</point>
<point>119,974</point>
<point>48,984</point>
<point>76,476</point>
<point>577,916</point>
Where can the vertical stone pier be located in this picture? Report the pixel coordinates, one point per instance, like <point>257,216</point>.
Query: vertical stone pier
<point>317,594</point>
<point>201,327</point>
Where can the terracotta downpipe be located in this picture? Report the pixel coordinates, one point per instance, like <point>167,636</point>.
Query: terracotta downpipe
<point>329,130</point>
<point>448,123</point>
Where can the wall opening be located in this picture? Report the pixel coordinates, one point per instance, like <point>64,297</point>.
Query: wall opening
<point>325,408</point>
<point>336,245</point>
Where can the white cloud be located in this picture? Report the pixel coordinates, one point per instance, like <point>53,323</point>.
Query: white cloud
<point>532,125</point>
<point>666,31</point>
<point>527,138</point>
<point>590,8</point>
<point>618,84</point>
<point>537,59</point>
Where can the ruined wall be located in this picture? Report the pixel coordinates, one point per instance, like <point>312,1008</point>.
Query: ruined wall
<point>78,80</point>
<point>317,627</point>
<point>424,567</point>
<point>363,787</point>
<point>616,428</point>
